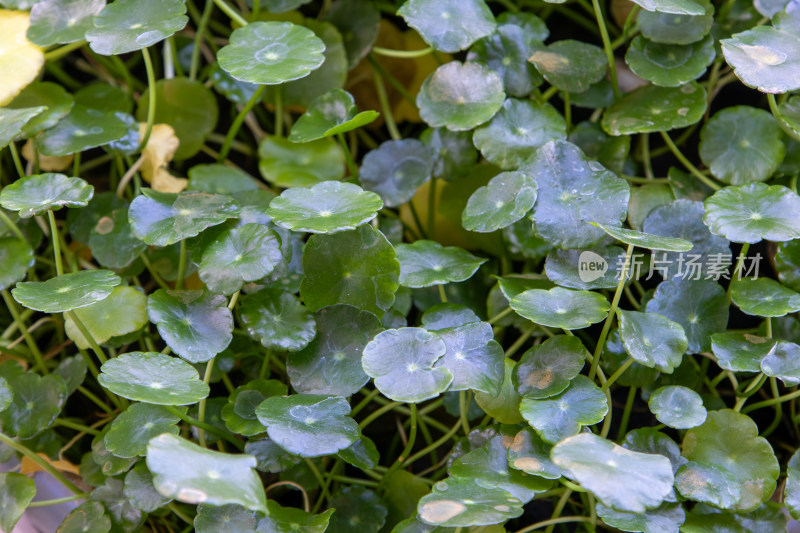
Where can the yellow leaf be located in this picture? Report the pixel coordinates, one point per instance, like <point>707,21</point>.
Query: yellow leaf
<point>160,149</point>
<point>46,162</point>
<point>29,467</point>
<point>20,60</point>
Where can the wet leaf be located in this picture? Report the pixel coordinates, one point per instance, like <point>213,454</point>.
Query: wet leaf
<point>765,58</point>
<point>782,362</point>
<point>239,413</point>
<point>36,403</point>
<point>333,113</point>
<point>191,474</point>
<point>459,502</point>
<point>197,325</point>
<point>287,164</point>
<point>277,319</point>
<point>425,263</point>
<point>531,454</point>
<point>652,108</point>
<point>16,256</point>
<point>547,369</point>
<point>129,25</point>
<point>561,308</point>
<point>270,53</point>
<point>133,428</point>
<point>740,352</point>
<point>153,378</point>
<point>450,25</point>
<point>677,407</point>
<point>652,340</point>
<point>503,407</point>
<point>669,65</point>
<point>396,169</point>
<point>677,29</point>
<point>34,195</point>
<point>66,292</point>
<point>570,65</point>
<point>753,212</point>
<point>764,297</point>
<point>308,425</point>
<point>643,240</point>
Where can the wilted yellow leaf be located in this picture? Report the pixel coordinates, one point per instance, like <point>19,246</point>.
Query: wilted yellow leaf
<point>46,162</point>
<point>29,467</point>
<point>20,60</point>
<point>160,149</point>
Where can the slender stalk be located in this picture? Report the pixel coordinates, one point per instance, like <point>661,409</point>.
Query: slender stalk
<point>562,502</point>
<point>61,51</point>
<point>432,208</point>
<point>181,266</point>
<point>239,120</point>
<point>17,162</point>
<point>737,271</point>
<point>11,225</point>
<point>401,53</point>
<point>463,410</point>
<point>553,522</point>
<point>208,427</point>
<point>688,164</point>
<point>74,425</point>
<point>348,156</point>
<point>198,39</point>
<point>621,370</point>
<point>442,294</point>
<point>56,242</point>
<point>47,467</point>
<point>201,408</point>
<point>499,316</point>
<point>774,401</point>
<point>377,413</point>
<point>151,101</point>
<point>56,501</point>
<point>232,14</point>
<point>29,340</point>
<point>610,318</point>
<point>626,414</point>
<point>443,439</point>
<point>607,47</point>
<point>751,389</point>
<point>388,117</point>
<point>412,438</point>
<point>88,336</point>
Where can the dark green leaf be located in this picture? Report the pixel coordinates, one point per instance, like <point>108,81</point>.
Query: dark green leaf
<point>561,308</point>
<point>677,407</point>
<point>82,129</point>
<point>129,25</point>
<point>764,297</point>
<point>547,369</point>
<point>652,340</point>
<point>287,164</point>
<point>570,65</point>
<point>425,263</point>
<point>652,108</point>
<point>34,195</point>
<point>449,25</point>
<point>277,319</point>
<point>396,169</point>
<point>333,113</point>
<point>67,291</point>
<point>133,428</point>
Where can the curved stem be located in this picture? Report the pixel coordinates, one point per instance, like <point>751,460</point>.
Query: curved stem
<point>17,162</point>
<point>29,340</point>
<point>65,499</point>
<point>239,120</point>
<point>388,117</point>
<point>611,312</point>
<point>56,242</point>
<point>5,219</point>
<point>201,408</point>
<point>47,467</point>
<point>401,53</point>
<point>232,14</point>
<point>151,94</point>
<point>444,438</point>
<point>621,370</point>
<point>198,39</point>
<point>688,164</point>
<point>61,51</point>
<point>553,522</point>
<point>609,50</point>
<point>348,156</point>
<point>776,112</point>
<point>377,413</point>
<point>181,266</point>
<point>208,427</point>
<point>412,438</point>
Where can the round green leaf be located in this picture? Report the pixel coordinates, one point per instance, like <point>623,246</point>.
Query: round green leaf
<point>239,413</point>
<point>88,517</point>
<point>133,428</point>
<point>729,441</point>
<point>197,325</point>
<point>426,263</point>
<point>547,369</point>
<point>66,292</point>
<point>652,108</point>
<point>356,267</point>
<point>16,492</point>
<point>460,502</point>
<point>597,268</point>
<point>487,466</point>
<point>574,191</point>
<point>396,169</point>
<point>738,156</point>
<point>140,491</point>
<point>666,517</point>
<point>355,507</point>
<point>186,105</point>
<point>333,113</point>
<point>669,65</point>
<point>683,219</point>
<point>676,29</point>
<point>754,212</point>
<point>189,473</point>
<point>677,7</point>
<point>652,340</point>
<point>12,121</point>
<point>269,53</point>
<point>402,361</point>
<point>327,207</point>
<point>358,21</point>
<point>783,362</point>
<point>792,488</point>
<point>473,357</point>
<point>161,219</point>
<point>57,101</point>
<point>558,417</point>
<point>460,96</point>
<point>506,51</point>
<point>287,164</point>
<point>129,25</point>
<point>677,407</point>
<point>16,256</point>
<point>455,155</point>
<point>277,319</point>
<point>740,352</point>
<point>652,441</point>
<point>122,312</point>
<point>33,195</point>
<point>447,315</point>
<point>230,518</point>
<point>6,394</point>
<point>271,457</point>
<point>503,407</point>
<point>765,58</point>
<point>112,242</point>
<point>220,179</point>
<point>787,264</point>
<point>531,454</point>
<point>62,21</point>
<point>239,255</point>
<point>764,297</point>
<point>622,479</point>
<point>123,515</point>
<point>36,403</point>
<point>309,425</point>
<point>449,25</point>
<point>561,308</point>
<point>700,307</point>
<point>331,363</point>
<point>571,65</point>
<point>517,130</point>
<point>153,378</point>
<point>708,484</point>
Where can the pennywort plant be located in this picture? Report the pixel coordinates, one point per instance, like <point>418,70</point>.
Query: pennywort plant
<point>400,266</point>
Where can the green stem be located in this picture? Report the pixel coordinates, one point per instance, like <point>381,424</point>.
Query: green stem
<point>232,14</point>
<point>377,413</point>
<point>181,266</point>
<point>57,501</point>
<point>207,427</point>
<point>278,112</point>
<point>388,117</point>
<point>621,370</point>
<point>442,294</point>
<point>463,410</point>
<point>609,50</point>
<point>442,440</point>
<point>554,521</point>
<point>776,112</point>
<point>29,340</point>
<point>562,502</point>
<point>198,39</point>
<point>401,53</point>
<point>88,336</point>
<point>151,100</point>
<point>201,408</point>
<point>610,318</point>
<point>47,467</point>
<point>368,397</point>
<point>74,425</point>
<point>412,438</point>
<point>56,242</point>
<point>432,208</point>
<point>17,162</point>
<point>737,271</point>
<point>239,120</point>
<point>774,401</point>
<point>686,163</point>
<point>751,389</point>
<point>161,283</point>
<point>5,219</point>
<point>94,399</point>
<point>61,51</point>
<point>521,340</point>
<point>499,316</point>
<point>348,156</point>
<point>626,414</point>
